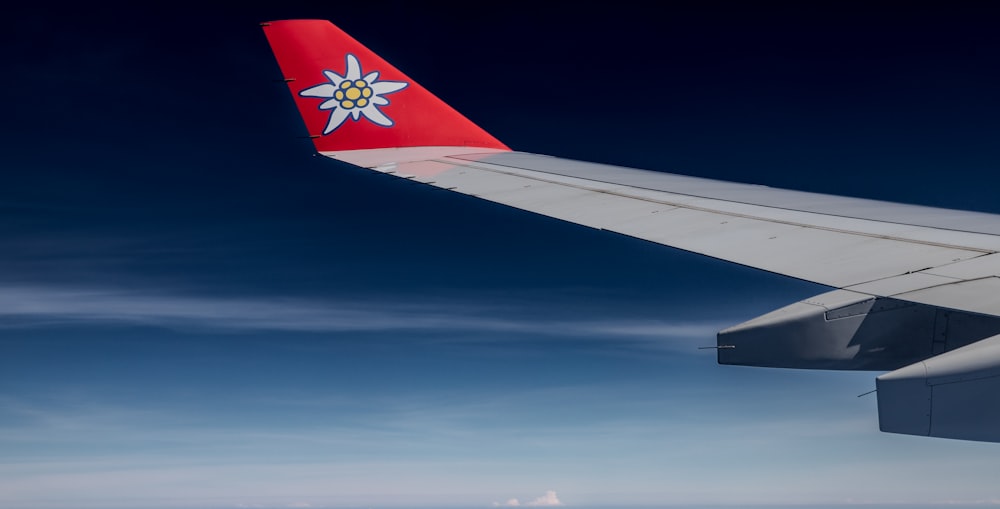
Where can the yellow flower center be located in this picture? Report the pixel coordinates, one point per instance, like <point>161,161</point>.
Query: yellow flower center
<point>353,94</point>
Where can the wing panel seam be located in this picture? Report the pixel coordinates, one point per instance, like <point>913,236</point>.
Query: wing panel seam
<point>846,216</point>
<point>469,164</point>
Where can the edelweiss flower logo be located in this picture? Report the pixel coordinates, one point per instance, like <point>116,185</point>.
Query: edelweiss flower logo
<point>352,95</point>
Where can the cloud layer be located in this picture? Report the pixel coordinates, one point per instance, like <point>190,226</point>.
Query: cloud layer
<point>549,499</point>
<point>39,306</point>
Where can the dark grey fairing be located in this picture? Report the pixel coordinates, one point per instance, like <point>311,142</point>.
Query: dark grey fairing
<point>946,363</point>
<point>851,331</point>
<point>952,395</point>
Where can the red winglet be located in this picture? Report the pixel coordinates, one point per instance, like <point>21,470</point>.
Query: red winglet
<point>350,98</point>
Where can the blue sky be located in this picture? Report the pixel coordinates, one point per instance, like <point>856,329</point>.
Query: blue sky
<point>196,312</point>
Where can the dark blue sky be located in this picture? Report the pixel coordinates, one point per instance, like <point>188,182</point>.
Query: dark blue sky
<point>197,312</point>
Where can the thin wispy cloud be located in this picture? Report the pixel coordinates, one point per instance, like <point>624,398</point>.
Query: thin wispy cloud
<point>39,306</point>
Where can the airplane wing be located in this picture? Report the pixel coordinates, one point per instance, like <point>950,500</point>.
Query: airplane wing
<point>917,289</point>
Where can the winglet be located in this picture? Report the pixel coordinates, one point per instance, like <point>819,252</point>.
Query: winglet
<point>350,98</point>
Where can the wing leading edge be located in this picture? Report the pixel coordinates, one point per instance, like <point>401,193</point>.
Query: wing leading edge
<point>918,287</point>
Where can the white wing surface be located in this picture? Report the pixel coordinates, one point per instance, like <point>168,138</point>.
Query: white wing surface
<point>879,248</point>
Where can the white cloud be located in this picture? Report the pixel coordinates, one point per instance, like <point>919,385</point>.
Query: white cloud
<point>41,306</point>
<point>549,499</point>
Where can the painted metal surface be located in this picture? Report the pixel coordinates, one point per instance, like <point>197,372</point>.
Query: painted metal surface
<point>351,98</point>
<point>976,295</point>
<point>920,286</point>
<point>952,395</point>
<point>915,293</point>
<point>828,249</point>
<point>849,330</point>
<point>754,194</point>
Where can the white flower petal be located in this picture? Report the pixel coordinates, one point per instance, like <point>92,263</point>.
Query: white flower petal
<point>353,67</point>
<point>324,90</point>
<point>375,115</point>
<point>337,117</point>
<point>333,77</point>
<point>339,114</point>
<point>388,87</point>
